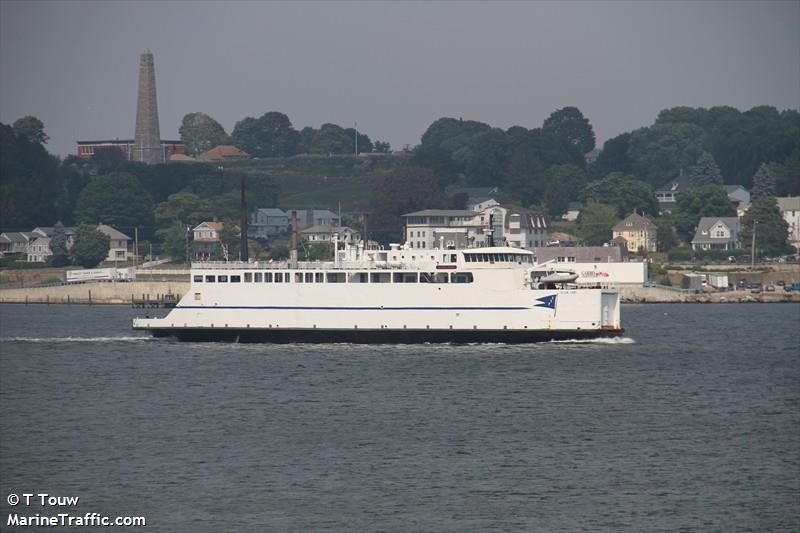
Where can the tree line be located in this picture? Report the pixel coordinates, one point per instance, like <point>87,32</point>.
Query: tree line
<point>272,135</point>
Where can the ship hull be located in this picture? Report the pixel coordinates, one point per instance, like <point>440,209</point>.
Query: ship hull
<point>379,336</point>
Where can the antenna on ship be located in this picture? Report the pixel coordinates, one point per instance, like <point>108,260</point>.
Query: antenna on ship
<point>243,256</point>
<point>293,253</point>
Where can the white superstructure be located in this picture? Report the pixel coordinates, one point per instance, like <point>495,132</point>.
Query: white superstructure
<point>398,295</point>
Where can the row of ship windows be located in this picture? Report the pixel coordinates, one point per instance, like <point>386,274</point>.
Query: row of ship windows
<point>498,258</point>
<point>337,277</point>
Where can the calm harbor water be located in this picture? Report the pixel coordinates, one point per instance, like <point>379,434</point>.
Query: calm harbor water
<point>691,422</point>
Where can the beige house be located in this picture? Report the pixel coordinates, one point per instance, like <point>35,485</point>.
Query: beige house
<point>638,231</point>
<point>118,243</point>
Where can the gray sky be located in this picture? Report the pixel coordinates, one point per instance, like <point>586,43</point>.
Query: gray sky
<point>394,67</point>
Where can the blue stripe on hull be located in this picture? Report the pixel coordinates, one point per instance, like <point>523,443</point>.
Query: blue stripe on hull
<point>372,308</point>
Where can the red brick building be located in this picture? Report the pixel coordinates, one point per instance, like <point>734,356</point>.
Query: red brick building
<point>86,149</point>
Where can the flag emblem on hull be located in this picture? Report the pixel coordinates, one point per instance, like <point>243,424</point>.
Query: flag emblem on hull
<point>547,301</point>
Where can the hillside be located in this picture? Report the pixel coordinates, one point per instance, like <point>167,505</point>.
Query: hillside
<point>313,181</point>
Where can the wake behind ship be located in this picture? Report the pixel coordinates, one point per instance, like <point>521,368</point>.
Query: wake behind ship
<point>399,295</point>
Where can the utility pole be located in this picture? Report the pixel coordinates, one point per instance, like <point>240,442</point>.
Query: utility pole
<point>187,245</point>
<point>135,245</point>
<point>355,124</point>
<point>753,246</point>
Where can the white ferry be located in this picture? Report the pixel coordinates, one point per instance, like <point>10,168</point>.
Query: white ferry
<point>400,295</point>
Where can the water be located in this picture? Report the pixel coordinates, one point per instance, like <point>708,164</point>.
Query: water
<point>691,422</point>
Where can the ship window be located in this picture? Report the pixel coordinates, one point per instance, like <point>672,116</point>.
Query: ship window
<point>453,258</point>
<point>335,277</point>
<point>358,277</point>
<point>257,277</point>
<point>222,279</point>
<point>248,277</point>
<point>278,277</point>
<point>236,279</point>
<point>468,258</point>
<point>209,279</point>
<point>380,277</point>
<point>404,277</point>
<point>319,277</point>
<point>309,277</point>
<point>298,277</point>
<point>462,277</point>
<point>197,296</point>
<point>198,279</point>
<point>441,277</point>
<point>425,277</point>
<point>267,277</point>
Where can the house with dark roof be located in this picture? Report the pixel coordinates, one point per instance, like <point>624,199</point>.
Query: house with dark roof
<point>638,231</point>
<point>266,222</point>
<point>717,233</point>
<point>16,242</point>
<point>666,194</point>
<point>737,194</point>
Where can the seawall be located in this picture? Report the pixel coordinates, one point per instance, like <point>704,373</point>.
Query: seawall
<point>95,293</point>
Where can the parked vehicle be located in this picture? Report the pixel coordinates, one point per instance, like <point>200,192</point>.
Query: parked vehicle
<point>100,274</point>
<point>770,288</point>
<point>780,283</point>
<point>792,287</point>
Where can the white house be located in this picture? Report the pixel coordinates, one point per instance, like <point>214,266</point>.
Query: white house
<point>205,239</point>
<point>790,209</point>
<point>460,228</point>
<point>16,242</point>
<point>118,243</point>
<point>39,249</point>
<point>320,233</point>
<point>717,233</point>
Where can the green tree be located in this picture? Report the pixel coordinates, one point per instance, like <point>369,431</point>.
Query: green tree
<point>660,152</point>
<point>787,175</point>
<point>706,171</point>
<point>613,157</point>
<point>174,240</point>
<point>91,246</point>
<point>382,147</point>
<point>183,208</point>
<point>485,157</point>
<point>595,222</point>
<point>624,193</point>
<point>31,128</point>
<point>229,241</point>
<point>107,159</point>
<point>772,231</point>
<point>58,247</point>
<point>404,190</point>
<point>116,199</point>
<point>569,124</point>
<point>270,135</point>
<point>562,184</point>
<point>304,140</point>
<point>332,139</point>
<point>31,186</point>
<point>763,182</point>
<point>200,133</point>
<point>666,236</point>
<point>696,202</point>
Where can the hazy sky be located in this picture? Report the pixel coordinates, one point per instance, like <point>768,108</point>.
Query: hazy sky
<point>394,67</point>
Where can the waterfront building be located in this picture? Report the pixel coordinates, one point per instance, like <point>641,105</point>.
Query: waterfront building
<point>717,233</point>
<point>638,231</point>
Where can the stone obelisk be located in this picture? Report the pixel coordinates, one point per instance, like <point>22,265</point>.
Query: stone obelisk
<point>147,140</point>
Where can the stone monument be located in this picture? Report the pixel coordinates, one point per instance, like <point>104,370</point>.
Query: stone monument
<point>147,140</point>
